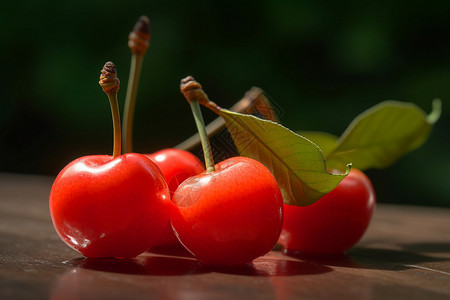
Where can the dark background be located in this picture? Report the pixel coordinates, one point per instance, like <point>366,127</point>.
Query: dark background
<point>322,64</point>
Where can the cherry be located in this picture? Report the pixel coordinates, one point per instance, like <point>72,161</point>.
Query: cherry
<point>110,206</point>
<point>233,212</point>
<point>176,165</point>
<point>334,223</point>
<point>231,215</point>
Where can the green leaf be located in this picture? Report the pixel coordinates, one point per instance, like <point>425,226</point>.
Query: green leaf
<point>297,164</point>
<point>382,134</point>
<point>325,141</point>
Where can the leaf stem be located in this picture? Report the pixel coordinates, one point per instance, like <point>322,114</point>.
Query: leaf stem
<point>138,42</point>
<point>110,84</point>
<point>194,94</point>
<point>435,112</point>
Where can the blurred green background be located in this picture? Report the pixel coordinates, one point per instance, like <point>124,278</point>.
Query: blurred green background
<point>321,64</point>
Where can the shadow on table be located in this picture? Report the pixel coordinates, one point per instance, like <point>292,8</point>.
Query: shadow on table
<point>428,247</point>
<point>179,262</point>
<point>141,265</point>
<point>374,258</point>
<point>157,265</point>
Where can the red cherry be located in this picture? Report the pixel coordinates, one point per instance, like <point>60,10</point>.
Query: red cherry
<point>231,215</point>
<point>110,206</point>
<point>176,165</point>
<point>105,207</point>
<point>334,223</point>
<point>233,212</point>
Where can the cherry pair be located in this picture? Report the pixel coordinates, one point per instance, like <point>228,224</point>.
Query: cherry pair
<point>120,205</point>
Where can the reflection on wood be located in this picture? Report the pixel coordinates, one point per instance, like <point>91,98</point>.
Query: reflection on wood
<point>404,255</point>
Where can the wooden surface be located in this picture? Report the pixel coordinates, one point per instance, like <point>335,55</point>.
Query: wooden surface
<point>404,255</point>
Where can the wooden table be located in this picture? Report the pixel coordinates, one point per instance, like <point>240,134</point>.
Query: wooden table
<point>404,255</point>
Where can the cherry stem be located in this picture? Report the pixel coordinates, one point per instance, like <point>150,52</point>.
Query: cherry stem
<point>138,42</point>
<point>110,84</point>
<point>195,95</point>
<point>253,101</point>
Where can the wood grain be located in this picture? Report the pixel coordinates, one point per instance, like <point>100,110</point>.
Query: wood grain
<point>404,255</point>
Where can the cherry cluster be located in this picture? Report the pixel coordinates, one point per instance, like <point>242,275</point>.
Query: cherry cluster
<point>229,213</point>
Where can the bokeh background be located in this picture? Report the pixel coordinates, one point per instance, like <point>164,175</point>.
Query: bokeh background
<point>321,63</point>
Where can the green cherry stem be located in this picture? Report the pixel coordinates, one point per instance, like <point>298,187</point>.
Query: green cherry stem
<point>110,84</point>
<point>138,42</point>
<point>194,94</point>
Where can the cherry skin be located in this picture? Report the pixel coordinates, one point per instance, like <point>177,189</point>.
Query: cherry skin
<point>105,207</point>
<point>229,216</point>
<point>176,165</point>
<point>334,223</point>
